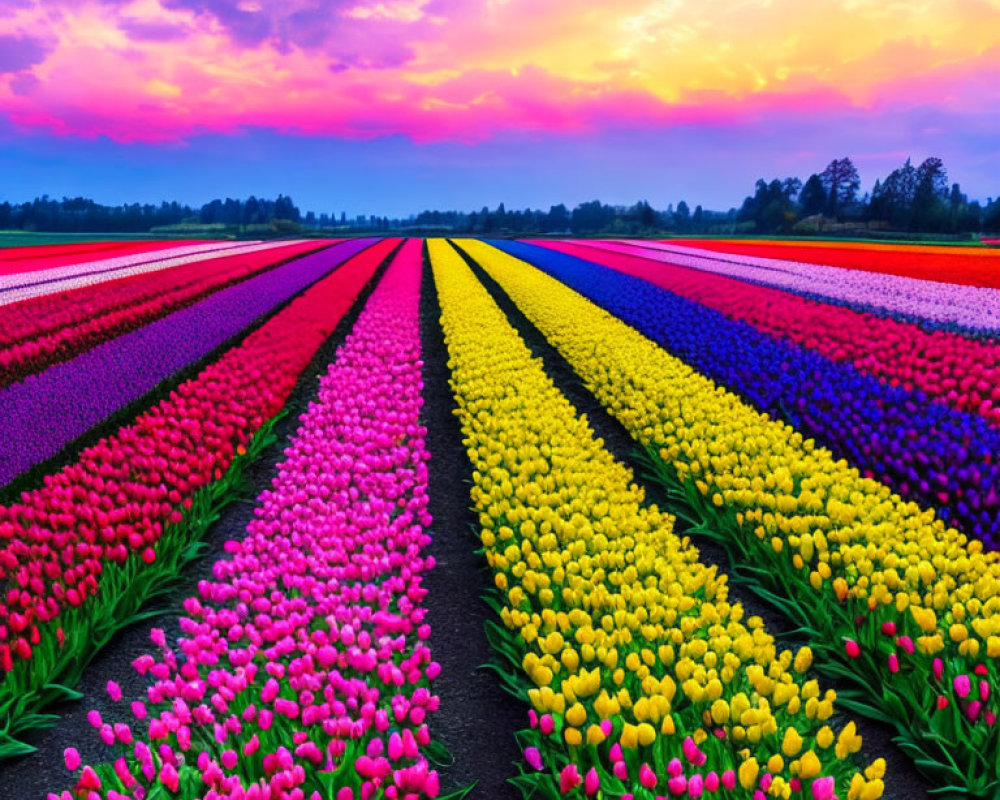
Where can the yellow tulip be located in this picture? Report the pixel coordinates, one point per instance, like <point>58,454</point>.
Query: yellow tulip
<point>748,773</point>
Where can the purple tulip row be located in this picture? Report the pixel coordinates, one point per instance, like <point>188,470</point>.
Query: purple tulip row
<point>303,670</point>
<point>45,412</point>
<point>946,305</point>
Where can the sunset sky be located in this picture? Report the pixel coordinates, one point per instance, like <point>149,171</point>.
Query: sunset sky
<point>393,106</point>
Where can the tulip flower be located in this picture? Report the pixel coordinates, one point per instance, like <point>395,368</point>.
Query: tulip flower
<point>823,788</point>
<point>534,758</point>
<point>72,758</point>
<point>569,778</point>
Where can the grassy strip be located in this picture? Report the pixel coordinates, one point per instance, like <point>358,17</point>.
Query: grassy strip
<point>126,589</point>
<point>907,610</point>
<point>640,671</point>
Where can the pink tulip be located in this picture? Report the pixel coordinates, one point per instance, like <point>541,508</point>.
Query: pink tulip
<point>534,758</point>
<point>823,788</point>
<point>88,779</point>
<point>72,758</point>
<point>591,782</point>
<point>569,778</point>
<point>646,776</point>
<point>852,648</point>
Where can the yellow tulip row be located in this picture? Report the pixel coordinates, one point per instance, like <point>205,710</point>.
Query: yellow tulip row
<point>625,636</point>
<point>847,544</point>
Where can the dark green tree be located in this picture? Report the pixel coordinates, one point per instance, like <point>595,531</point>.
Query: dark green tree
<point>812,198</point>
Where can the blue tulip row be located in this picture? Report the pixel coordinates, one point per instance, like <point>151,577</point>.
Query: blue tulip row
<point>924,450</point>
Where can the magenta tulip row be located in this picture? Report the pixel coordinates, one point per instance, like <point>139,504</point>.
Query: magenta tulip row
<point>303,670</point>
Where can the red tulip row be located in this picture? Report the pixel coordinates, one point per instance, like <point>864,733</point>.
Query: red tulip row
<point>110,509</point>
<point>52,328</point>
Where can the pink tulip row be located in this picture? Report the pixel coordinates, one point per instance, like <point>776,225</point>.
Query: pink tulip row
<point>303,670</point>
<point>959,371</point>
<point>942,303</point>
<point>17,287</point>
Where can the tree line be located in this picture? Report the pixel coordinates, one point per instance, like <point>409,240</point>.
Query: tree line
<point>911,198</point>
<point>82,215</point>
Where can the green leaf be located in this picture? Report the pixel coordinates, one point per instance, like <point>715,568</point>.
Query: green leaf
<point>62,693</point>
<point>440,755</point>
<point>458,794</point>
<point>12,748</point>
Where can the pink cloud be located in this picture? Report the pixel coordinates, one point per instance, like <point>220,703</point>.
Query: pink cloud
<point>432,70</point>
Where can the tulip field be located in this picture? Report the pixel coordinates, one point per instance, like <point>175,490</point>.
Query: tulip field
<point>401,518</point>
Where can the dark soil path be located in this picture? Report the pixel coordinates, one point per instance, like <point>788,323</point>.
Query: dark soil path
<point>903,782</point>
<point>477,718</point>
